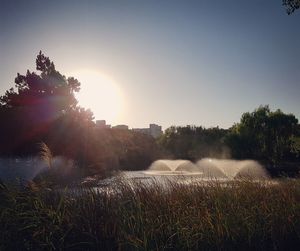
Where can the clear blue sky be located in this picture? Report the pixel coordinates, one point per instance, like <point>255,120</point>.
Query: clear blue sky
<point>176,62</point>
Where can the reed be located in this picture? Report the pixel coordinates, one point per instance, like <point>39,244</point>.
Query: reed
<point>241,215</point>
<point>45,154</point>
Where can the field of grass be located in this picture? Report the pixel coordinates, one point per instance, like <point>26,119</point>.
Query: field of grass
<point>237,216</point>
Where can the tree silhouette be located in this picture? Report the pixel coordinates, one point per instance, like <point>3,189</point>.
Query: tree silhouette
<point>50,90</point>
<point>29,110</point>
<point>291,5</point>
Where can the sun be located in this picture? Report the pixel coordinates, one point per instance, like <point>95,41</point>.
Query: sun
<point>99,93</point>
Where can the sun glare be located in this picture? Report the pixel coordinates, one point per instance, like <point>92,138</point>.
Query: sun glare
<point>100,94</point>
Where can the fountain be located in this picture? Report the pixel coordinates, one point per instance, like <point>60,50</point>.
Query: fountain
<point>251,169</point>
<point>231,169</point>
<point>173,166</point>
<point>164,171</point>
<point>208,168</point>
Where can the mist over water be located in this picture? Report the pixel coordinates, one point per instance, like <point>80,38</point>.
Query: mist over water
<point>12,169</point>
<point>25,169</point>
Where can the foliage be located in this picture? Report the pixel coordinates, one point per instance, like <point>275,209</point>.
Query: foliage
<point>264,135</point>
<point>291,5</point>
<point>28,112</point>
<point>268,136</point>
<point>102,151</point>
<point>191,142</point>
<point>50,90</point>
<point>211,216</point>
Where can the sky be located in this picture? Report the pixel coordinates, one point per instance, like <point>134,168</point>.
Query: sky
<point>202,62</point>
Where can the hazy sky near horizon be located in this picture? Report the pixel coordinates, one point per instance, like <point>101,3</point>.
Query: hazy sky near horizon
<point>175,62</point>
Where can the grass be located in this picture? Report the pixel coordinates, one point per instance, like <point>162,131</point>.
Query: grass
<point>241,215</point>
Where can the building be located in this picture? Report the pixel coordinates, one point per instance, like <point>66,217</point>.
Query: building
<point>141,130</point>
<point>102,124</point>
<point>154,130</point>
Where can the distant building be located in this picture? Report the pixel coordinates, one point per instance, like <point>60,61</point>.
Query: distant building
<point>102,124</point>
<point>154,130</point>
<point>141,130</point>
<point>120,127</point>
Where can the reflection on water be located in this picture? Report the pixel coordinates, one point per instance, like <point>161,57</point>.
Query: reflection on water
<point>163,177</point>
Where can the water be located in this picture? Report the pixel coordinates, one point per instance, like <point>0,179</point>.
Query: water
<point>160,171</point>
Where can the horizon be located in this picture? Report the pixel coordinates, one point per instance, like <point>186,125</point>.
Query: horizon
<point>169,63</point>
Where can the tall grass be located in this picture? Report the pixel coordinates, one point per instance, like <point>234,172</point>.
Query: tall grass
<point>236,216</point>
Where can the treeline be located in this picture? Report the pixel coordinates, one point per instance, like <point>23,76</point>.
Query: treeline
<point>265,135</point>
<point>271,137</point>
<point>43,108</point>
<point>192,142</point>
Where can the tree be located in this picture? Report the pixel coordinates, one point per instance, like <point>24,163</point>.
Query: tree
<point>263,135</point>
<point>49,91</point>
<point>291,5</point>
<point>29,110</point>
<point>191,142</point>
